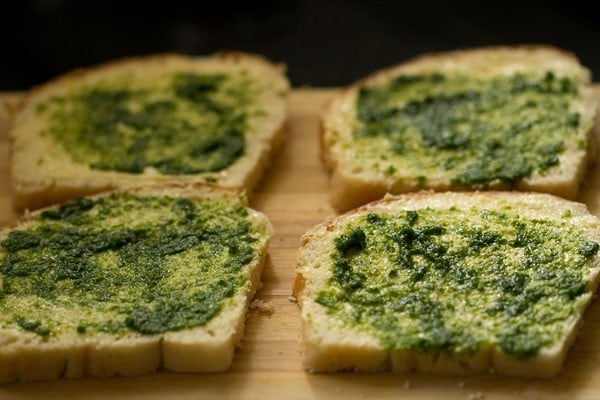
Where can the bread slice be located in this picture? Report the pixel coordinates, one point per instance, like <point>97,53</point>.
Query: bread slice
<point>448,283</point>
<point>488,118</point>
<point>126,283</point>
<point>148,120</point>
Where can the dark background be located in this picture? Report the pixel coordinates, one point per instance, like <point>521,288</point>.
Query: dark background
<point>323,42</point>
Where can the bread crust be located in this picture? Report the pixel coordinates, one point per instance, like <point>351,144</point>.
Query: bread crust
<point>349,188</point>
<point>331,346</point>
<point>26,357</point>
<point>42,173</point>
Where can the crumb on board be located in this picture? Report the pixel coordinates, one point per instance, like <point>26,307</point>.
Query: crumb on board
<point>292,299</point>
<point>461,384</point>
<point>262,306</point>
<point>476,396</point>
<point>407,384</point>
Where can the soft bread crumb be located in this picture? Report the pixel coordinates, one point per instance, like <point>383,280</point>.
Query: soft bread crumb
<point>292,299</point>
<point>262,306</point>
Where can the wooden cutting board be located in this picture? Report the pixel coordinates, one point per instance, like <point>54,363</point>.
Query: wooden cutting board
<point>294,196</point>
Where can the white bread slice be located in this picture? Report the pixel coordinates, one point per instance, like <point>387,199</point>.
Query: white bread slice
<point>330,343</point>
<point>357,179</point>
<point>28,356</point>
<point>43,173</point>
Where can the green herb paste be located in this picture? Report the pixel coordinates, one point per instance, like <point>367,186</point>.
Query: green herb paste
<point>454,280</point>
<point>125,262</point>
<point>188,124</point>
<point>473,131</point>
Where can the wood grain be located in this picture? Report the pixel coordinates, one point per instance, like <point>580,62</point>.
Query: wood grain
<point>294,196</point>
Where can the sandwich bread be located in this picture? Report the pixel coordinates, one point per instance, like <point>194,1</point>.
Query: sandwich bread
<point>448,283</point>
<point>497,118</point>
<point>129,282</point>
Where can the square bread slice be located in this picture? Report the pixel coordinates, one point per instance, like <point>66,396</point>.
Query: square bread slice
<point>448,283</point>
<point>148,120</point>
<point>128,282</point>
<point>489,118</point>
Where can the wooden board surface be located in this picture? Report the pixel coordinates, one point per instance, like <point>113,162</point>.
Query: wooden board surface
<point>294,196</point>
